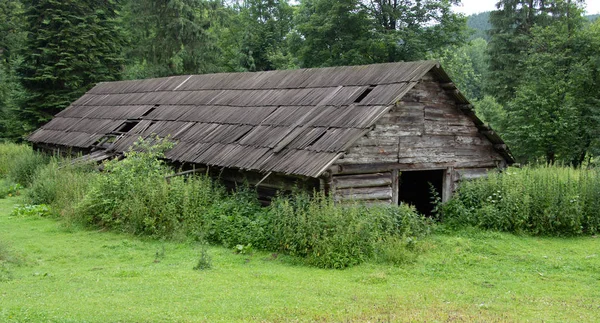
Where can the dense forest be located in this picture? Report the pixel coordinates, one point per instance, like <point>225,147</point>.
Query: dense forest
<point>531,67</point>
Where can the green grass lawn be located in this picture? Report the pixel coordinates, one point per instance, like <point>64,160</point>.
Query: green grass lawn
<point>53,273</point>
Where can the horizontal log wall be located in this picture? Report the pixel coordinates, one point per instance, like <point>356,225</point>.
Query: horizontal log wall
<point>375,188</point>
<point>425,127</point>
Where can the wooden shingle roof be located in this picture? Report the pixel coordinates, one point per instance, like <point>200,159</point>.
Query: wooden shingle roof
<point>289,121</point>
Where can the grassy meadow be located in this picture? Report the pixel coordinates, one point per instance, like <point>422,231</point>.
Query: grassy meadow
<point>51,271</point>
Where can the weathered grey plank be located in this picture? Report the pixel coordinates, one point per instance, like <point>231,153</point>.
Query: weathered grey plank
<point>364,193</point>
<point>362,180</point>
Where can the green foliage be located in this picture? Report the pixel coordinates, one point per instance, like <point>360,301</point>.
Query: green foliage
<point>408,30</point>
<point>171,37</point>
<point>479,24</point>
<point>12,96</point>
<point>236,220</point>
<point>133,195</point>
<point>350,32</point>
<point>255,37</point>
<point>9,154</point>
<point>491,112</point>
<point>510,39</point>
<point>205,261</point>
<point>466,65</point>
<point>61,185</point>
<point>554,115</point>
<point>12,40</point>
<point>23,167</point>
<point>332,33</point>
<point>336,236</point>
<point>41,210</point>
<point>7,190</point>
<point>71,46</point>
<point>542,201</point>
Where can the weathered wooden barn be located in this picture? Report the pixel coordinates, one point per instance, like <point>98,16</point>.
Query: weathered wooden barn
<point>375,133</point>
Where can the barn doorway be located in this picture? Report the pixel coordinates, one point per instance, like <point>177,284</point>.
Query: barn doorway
<point>414,188</point>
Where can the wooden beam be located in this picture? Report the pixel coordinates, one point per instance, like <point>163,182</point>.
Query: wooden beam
<point>362,180</point>
<point>366,193</point>
<point>186,172</point>
<point>447,184</point>
<point>386,167</point>
<point>395,186</point>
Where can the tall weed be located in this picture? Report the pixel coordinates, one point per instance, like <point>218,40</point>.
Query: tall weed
<point>337,236</point>
<point>61,185</point>
<point>19,163</point>
<point>9,153</point>
<point>549,200</point>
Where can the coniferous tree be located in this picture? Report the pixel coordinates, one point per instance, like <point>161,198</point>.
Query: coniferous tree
<point>12,39</point>
<point>71,46</point>
<point>171,37</point>
<point>510,39</point>
<point>555,114</point>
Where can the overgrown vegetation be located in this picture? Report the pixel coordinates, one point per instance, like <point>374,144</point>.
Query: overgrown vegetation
<point>137,195</point>
<point>542,200</point>
<point>61,185</point>
<point>9,152</point>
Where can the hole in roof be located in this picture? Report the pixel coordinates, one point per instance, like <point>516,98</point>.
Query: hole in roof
<point>364,94</point>
<point>149,111</point>
<point>104,141</point>
<point>127,126</point>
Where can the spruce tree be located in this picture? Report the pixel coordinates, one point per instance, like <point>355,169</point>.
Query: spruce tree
<point>171,37</point>
<point>71,46</point>
<point>511,36</point>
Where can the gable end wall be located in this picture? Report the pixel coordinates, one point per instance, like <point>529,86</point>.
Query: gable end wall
<point>424,131</point>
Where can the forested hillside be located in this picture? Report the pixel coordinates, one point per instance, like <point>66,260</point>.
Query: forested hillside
<point>531,68</point>
<point>480,24</point>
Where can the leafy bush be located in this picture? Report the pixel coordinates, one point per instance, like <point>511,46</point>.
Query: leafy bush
<point>31,210</point>
<point>236,219</point>
<point>544,201</point>
<point>132,193</point>
<point>9,189</point>
<point>336,236</point>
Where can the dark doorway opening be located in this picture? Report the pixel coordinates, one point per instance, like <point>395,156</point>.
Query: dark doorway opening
<point>414,188</point>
